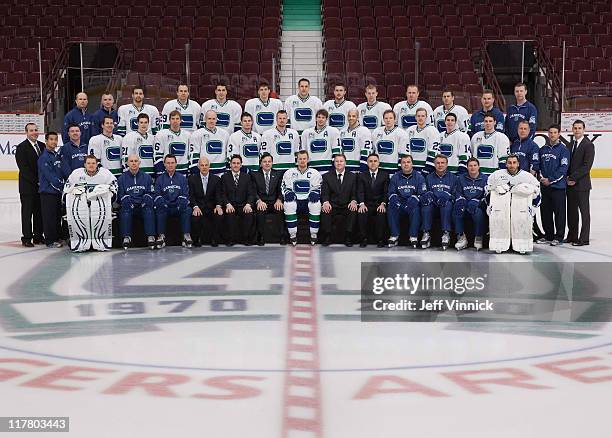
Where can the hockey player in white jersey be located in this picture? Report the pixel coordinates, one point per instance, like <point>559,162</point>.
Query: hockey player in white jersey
<point>322,143</point>
<point>189,109</point>
<point>448,106</point>
<point>301,189</point>
<point>405,111</point>
<point>302,107</point>
<point>141,143</point>
<point>246,143</point>
<point>263,108</point>
<point>174,141</point>
<point>228,111</point>
<point>515,196</point>
<point>424,139</point>
<point>89,194</point>
<point>106,147</point>
<point>490,146</point>
<point>128,114</point>
<point>371,111</point>
<point>210,142</point>
<point>355,143</point>
<point>454,144</point>
<point>338,108</point>
<point>281,142</point>
<point>390,143</point>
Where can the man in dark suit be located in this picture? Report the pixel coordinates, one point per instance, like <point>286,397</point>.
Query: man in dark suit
<point>372,189</point>
<point>204,197</point>
<point>238,198</point>
<point>267,184</point>
<point>26,155</point>
<point>339,198</point>
<point>579,185</point>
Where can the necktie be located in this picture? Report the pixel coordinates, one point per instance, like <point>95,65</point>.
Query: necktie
<point>373,178</point>
<point>236,175</point>
<point>204,184</point>
<point>574,146</point>
<point>267,182</point>
<point>340,178</point>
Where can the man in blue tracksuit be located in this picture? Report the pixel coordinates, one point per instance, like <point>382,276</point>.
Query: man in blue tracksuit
<point>554,162</point>
<point>521,110</point>
<point>439,196</point>
<point>172,199</point>
<point>136,192</point>
<point>106,109</point>
<point>80,117</point>
<point>470,202</point>
<point>72,154</point>
<point>477,119</point>
<point>405,189</point>
<point>526,149</point>
<point>51,187</point>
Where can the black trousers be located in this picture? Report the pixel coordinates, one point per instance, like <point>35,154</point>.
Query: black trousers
<point>207,224</point>
<point>31,218</point>
<point>379,220</point>
<point>578,201</point>
<point>553,213</point>
<point>260,219</point>
<point>327,220</point>
<point>51,206</point>
<point>240,225</point>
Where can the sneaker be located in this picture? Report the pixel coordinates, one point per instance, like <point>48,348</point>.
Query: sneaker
<point>55,245</point>
<point>425,240</point>
<point>414,242</point>
<point>313,239</point>
<point>478,243</point>
<point>151,242</point>
<point>187,241</point>
<point>556,242</point>
<point>445,240</point>
<point>462,242</point>
<point>541,241</point>
<point>161,241</point>
<point>393,241</point>
<point>293,240</point>
<point>127,242</point>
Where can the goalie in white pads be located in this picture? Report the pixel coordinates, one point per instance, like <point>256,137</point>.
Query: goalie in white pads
<point>515,196</point>
<point>301,189</point>
<point>89,196</point>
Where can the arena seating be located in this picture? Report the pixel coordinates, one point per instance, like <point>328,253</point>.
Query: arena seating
<point>373,41</point>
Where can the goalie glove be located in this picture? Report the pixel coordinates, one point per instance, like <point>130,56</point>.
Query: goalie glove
<point>502,188</point>
<point>98,190</point>
<point>75,190</point>
<point>523,189</point>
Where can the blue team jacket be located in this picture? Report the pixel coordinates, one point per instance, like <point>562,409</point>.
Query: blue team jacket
<point>528,154</point>
<point>477,121</point>
<point>438,184</point>
<point>138,188</point>
<point>554,162</point>
<point>72,157</point>
<point>471,188</point>
<point>97,117</point>
<point>50,178</point>
<point>81,118</point>
<point>517,113</point>
<point>172,188</point>
<point>407,185</point>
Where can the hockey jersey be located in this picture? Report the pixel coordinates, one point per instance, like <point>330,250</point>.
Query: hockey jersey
<point>50,178</point>
<point>338,113</point>
<point>491,150</point>
<point>371,116</point>
<point>80,177</point>
<point>356,144</point>
<point>211,144</point>
<point>471,188</point>
<point>503,177</point>
<point>463,118</point>
<point>264,113</point>
<point>172,189</point>
<point>301,183</point>
<point>477,121</point>
<point>437,184</point>
<point>554,162</point>
<point>405,113</point>
<point>139,188</point>
<point>321,146</point>
<point>134,143</point>
<point>515,114</point>
<point>302,112</point>
<point>228,114</point>
<point>175,143</point>
<point>282,146</point>
<point>98,117</point>
<point>456,147</point>
<point>406,185</point>
<point>190,114</point>
<point>528,154</point>
<point>84,119</point>
<point>128,118</point>
<point>72,157</point>
<point>390,146</point>
<point>248,146</point>
<point>108,151</point>
<point>422,142</point>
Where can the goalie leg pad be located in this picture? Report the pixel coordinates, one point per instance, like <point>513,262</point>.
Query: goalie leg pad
<point>77,215</point>
<point>101,219</point>
<point>521,222</point>
<point>499,222</point>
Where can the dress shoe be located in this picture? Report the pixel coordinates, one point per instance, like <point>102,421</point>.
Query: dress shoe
<point>580,243</point>
<point>38,241</point>
<point>27,244</point>
<point>363,244</point>
<point>381,244</point>
<point>326,242</point>
<point>214,244</point>
<point>348,243</point>
<point>260,242</point>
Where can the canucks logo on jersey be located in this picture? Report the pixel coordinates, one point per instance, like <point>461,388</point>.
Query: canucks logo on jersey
<point>177,148</point>
<point>385,147</point>
<point>446,149</point>
<point>348,144</point>
<point>134,123</point>
<point>214,147</point>
<point>441,125</point>
<point>301,186</point>
<point>417,145</point>
<point>302,114</point>
<point>250,150</point>
<point>485,152</point>
<point>408,120</point>
<point>223,120</point>
<point>265,119</point>
<point>113,153</point>
<point>318,145</point>
<point>336,120</point>
<point>284,148</point>
<point>370,122</point>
